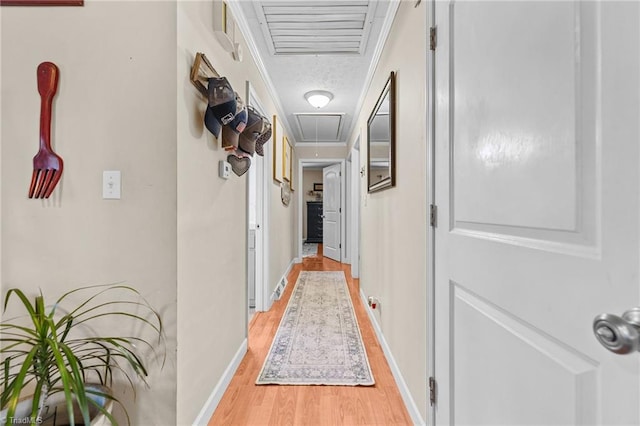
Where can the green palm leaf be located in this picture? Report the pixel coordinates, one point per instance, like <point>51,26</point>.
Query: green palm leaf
<point>57,351</point>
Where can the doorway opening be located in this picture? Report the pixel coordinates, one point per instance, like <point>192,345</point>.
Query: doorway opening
<point>353,207</point>
<point>257,223</point>
<point>322,209</point>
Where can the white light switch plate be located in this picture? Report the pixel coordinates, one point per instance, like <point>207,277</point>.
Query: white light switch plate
<point>111,184</point>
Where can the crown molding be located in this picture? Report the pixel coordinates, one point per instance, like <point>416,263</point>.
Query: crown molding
<point>377,53</point>
<point>245,29</point>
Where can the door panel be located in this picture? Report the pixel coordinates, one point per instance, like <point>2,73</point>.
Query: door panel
<point>537,185</point>
<point>554,376</point>
<point>525,156</point>
<point>331,212</point>
<point>538,155</point>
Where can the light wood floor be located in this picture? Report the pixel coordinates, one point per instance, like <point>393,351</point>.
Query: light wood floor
<point>245,403</point>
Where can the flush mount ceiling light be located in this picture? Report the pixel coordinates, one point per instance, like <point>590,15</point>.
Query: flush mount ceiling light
<point>318,98</point>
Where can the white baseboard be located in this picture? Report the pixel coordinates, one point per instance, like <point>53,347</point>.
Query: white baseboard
<point>412,408</point>
<point>216,395</point>
<point>289,268</point>
<point>282,284</point>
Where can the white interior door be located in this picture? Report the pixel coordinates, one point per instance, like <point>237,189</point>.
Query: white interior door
<point>537,187</point>
<point>255,235</point>
<point>331,211</point>
<point>258,184</point>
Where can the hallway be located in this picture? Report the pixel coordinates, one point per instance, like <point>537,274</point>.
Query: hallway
<point>245,403</point>
<point>510,238</point>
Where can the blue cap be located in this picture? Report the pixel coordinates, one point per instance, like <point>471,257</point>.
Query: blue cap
<point>222,105</point>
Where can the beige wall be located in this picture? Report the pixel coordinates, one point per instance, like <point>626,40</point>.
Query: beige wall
<point>212,221</point>
<point>309,177</point>
<point>282,236</point>
<point>178,233</point>
<point>282,229</point>
<point>211,228</point>
<point>2,286</point>
<point>394,221</point>
<point>115,110</point>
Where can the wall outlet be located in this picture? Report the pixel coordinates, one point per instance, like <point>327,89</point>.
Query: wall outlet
<point>373,302</point>
<point>224,169</point>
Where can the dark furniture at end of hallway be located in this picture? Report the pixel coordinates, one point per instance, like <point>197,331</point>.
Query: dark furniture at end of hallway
<point>314,222</point>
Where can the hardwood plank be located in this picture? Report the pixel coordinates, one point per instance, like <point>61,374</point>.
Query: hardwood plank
<point>245,403</point>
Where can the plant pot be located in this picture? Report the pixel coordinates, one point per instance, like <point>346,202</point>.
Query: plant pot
<point>55,411</point>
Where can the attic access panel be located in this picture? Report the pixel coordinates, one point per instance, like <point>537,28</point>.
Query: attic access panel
<point>329,126</point>
<point>316,27</point>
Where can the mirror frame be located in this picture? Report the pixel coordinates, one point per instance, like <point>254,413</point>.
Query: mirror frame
<point>390,89</point>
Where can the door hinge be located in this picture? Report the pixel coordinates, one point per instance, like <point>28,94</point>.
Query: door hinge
<point>432,391</point>
<point>433,215</point>
<point>339,209</point>
<point>432,38</point>
<point>340,245</point>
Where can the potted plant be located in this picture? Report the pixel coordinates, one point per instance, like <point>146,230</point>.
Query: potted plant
<point>57,352</point>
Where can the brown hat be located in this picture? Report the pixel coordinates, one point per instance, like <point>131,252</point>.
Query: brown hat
<point>255,127</point>
<point>262,139</point>
<point>232,130</point>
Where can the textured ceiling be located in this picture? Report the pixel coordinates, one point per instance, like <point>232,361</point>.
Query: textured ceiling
<point>309,45</point>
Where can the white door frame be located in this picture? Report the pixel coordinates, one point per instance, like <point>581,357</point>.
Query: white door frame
<point>262,245</point>
<point>302,163</point>
<point>346,207</point>
<point>431,185</point>
<point>332,214</point>
<point>353,225</point>
<point>262,292</point>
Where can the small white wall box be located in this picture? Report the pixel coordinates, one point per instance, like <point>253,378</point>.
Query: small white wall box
<point>224,169</point>
<point>223,25</point>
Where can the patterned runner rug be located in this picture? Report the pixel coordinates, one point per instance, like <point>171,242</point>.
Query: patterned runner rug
<point>309,249</point>
<point>318,341</point>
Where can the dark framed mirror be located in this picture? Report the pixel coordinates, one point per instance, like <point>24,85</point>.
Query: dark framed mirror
<point>381,139</point>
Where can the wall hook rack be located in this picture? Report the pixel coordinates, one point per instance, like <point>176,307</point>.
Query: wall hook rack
<point>201,71</point>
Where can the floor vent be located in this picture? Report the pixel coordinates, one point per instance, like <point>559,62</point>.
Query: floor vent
<point>277,293</point>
